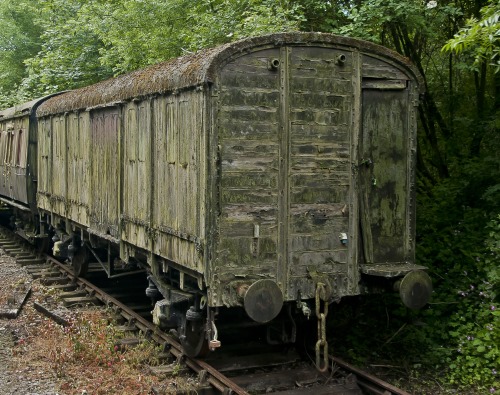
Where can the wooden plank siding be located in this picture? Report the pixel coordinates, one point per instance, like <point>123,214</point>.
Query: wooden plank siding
<point>44,164</point>
<point>14,134</point>
<point>248,130</point>
<point>4,139</point>
<point>78,172</point>
<point>137,183</point>
<point>163,209</point>
<point>98,173</point>
<point>179,197</point>
<point>105,167</point>
<point>18,159</point>
<point>285,138</point>
<point>58,163</point>
<point>320,114</point>
<point>387,140</point>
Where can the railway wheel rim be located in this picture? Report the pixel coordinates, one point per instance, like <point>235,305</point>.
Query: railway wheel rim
<point>80,262</point>
<point>194,340</point>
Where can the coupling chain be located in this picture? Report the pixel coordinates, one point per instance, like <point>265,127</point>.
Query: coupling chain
<point>321,344</point>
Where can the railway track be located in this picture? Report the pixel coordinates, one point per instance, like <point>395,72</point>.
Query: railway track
<point>235,369</point>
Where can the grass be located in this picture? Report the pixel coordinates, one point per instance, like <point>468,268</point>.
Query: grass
<point>87,358</point>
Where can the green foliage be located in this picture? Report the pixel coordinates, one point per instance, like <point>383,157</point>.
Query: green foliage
<point>369,19</point>
<point>474,327</point>
<point>456,338</point>
<point>321,16</point>
<point>68,57</point>
<point>480,37</point>
<point>19,40</point>
<point>138,33</point>
<point>461,247</point>
<point>80,42</point>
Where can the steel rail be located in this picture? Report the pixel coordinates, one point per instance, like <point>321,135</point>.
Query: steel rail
<point>387,389</point>
<point>219,381</point>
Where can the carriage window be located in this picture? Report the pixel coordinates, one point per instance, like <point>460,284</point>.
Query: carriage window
<point>8,151</point>
<point>5,146</point>
<point>19,147</point>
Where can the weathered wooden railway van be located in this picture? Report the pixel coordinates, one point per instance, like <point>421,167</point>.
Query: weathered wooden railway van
<point>17,128</point>
<point>18,165</point>
<point>246,175</point>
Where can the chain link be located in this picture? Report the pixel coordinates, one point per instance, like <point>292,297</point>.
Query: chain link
<point>321,344</point>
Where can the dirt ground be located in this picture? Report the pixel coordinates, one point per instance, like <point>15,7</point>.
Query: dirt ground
<point>40,357</point>
<point>17,376</point>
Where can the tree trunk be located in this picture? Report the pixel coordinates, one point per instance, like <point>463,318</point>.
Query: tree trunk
<point>430,115</point>
<point>480,82</point>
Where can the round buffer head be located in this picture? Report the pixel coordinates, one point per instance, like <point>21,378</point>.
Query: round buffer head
<point>415,289</point>
<point>263,301</point>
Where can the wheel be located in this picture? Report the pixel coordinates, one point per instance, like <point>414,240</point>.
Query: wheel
<point>193,338</point>
<point>42,246</point>
<point>194,341</point>
<point>80,262</point>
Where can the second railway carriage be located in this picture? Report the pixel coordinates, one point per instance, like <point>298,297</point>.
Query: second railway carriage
<point>18,167</point>
<point>269,172</point>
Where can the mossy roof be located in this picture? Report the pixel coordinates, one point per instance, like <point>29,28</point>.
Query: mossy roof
<point>193,70</point>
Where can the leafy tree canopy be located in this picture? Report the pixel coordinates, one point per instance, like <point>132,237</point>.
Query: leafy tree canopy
<point>19,40</point>
<point>53,45</point>
<point>480,37</point>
